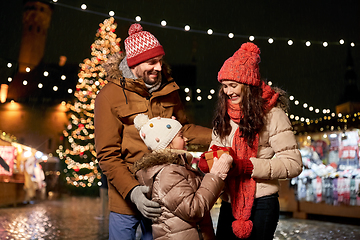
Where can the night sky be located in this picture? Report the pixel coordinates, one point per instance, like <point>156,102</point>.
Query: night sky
<point>314,74</point>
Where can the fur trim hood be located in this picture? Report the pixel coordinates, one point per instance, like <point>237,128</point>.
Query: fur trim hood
<point>111,66</point>
<point>152,163</point>
<point>161,157</point>
<point>117,76</point>
<point>283,100</point>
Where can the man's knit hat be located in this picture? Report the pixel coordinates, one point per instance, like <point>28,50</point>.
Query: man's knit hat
<point>157,133</point>
<point>141,45</point>
<point>243,66</point>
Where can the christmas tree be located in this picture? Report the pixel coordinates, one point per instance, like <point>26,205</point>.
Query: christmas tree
<point>77,154</point>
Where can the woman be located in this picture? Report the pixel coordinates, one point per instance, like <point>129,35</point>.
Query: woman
<point>250,118</point>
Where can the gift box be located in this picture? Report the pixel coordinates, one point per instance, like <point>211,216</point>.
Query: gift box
<point>215,151</point>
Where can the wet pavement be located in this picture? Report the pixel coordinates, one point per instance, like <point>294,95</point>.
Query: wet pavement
<point>79,218</point>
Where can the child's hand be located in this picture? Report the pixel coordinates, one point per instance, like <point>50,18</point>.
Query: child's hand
<point>222,165</point>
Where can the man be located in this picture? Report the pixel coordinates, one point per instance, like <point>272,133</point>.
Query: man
<point>137,83</point>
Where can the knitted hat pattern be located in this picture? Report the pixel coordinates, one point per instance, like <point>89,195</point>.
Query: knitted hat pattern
<point>141,45</point>
<point>157,133</point>
<point>243,66</point>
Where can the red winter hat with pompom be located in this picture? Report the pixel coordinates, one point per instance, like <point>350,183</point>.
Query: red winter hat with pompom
<point>141,46</point>
<point>243,66</point>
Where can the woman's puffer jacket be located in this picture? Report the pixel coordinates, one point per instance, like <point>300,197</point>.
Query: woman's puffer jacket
<point>185,198</point>
<point>278,156</point>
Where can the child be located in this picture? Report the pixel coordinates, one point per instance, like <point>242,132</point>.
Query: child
<point>185,198</point>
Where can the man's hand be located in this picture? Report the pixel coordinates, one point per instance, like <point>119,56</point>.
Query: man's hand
<point>148,209</point>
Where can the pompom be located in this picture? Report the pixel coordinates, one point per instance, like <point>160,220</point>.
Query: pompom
<point>250,47</point>
<point>241,228</point>
<point>135,28</point>
<point>140,120</point>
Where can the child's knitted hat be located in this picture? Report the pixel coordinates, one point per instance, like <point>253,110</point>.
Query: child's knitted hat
<point>157,133</point>
<point>141,46</point>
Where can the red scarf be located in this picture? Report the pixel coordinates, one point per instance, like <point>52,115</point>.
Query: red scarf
<point>242,187</point>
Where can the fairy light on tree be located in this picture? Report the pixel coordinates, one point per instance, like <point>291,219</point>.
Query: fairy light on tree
<point>77,154</point>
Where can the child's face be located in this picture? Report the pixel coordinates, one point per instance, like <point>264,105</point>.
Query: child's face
<point>179,142</point>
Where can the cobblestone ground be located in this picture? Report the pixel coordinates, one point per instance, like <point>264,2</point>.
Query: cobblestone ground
<point>78,218</point>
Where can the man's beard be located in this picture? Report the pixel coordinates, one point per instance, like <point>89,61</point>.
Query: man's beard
<point>152,82</point>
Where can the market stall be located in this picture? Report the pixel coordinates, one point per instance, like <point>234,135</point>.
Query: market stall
<point>21,175</point>
<point>329,183</point>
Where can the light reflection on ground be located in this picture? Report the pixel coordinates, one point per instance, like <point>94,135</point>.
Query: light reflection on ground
<point>69,218</point>
<point>78,218</point>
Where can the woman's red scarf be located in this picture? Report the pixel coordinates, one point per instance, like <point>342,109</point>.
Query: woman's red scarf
<point>242,187</point>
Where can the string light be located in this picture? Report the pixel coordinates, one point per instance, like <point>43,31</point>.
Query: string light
<point>187,28</point>
<point>84,95</point>
<point>210,32</point>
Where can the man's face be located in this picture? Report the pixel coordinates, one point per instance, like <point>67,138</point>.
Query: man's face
<point>149,70</point>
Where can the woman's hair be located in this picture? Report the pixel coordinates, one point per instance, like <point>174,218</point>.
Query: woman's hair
<point>252,108</point>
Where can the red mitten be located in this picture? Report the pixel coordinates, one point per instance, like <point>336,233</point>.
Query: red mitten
<point>242,166</point>
<point>204,167</point>
<point>247,166</point>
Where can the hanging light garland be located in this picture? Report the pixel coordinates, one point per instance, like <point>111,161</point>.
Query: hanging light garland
<point>101,56</point>
<point>163,23</point>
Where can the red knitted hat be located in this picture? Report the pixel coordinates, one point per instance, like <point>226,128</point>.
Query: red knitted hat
<point>141,45</point>
<point>243,66</point>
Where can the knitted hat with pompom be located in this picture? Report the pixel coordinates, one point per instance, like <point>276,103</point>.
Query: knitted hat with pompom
<point>243,66</point>
<point>141,46</point>
<point>157,133</point>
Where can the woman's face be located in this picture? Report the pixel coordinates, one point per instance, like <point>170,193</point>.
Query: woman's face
<point>233,90</point>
